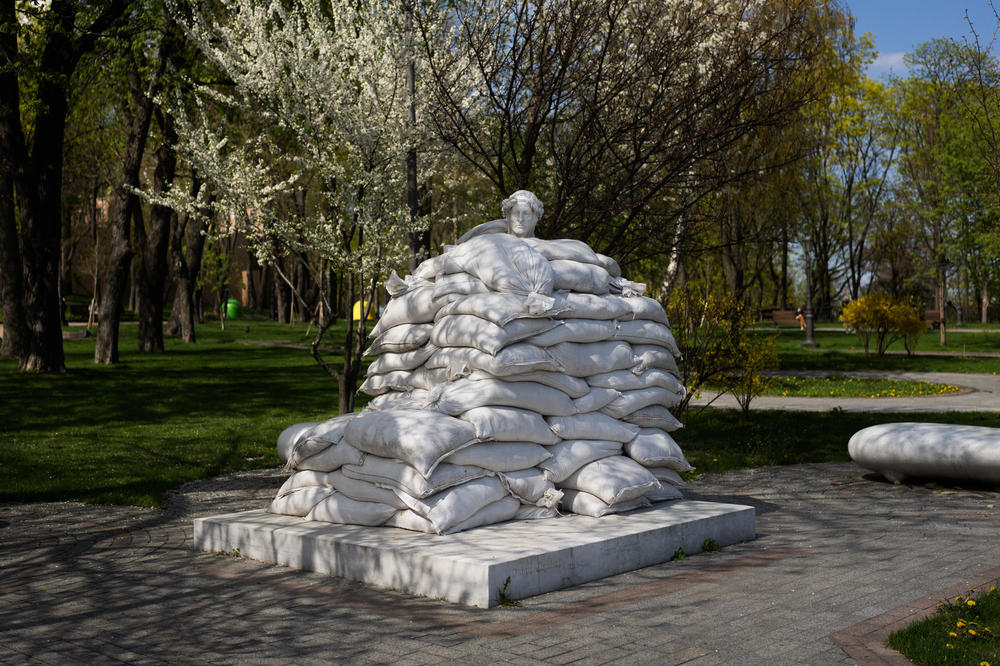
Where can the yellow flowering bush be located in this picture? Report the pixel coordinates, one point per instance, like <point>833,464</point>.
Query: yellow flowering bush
<point>881,319</point>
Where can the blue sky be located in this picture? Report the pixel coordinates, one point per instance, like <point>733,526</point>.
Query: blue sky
<point>899,25</point>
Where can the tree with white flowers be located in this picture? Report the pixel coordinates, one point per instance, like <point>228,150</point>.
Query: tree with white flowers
<point>304,142</point>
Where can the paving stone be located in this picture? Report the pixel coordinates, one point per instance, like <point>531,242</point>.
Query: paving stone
<point>836,548</point>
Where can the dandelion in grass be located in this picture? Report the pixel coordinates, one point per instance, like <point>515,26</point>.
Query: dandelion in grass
<point>953,634</point>
<point>972,632</point>
<point>970,602</point>
<point>949,645</point>
<point>960,624</point>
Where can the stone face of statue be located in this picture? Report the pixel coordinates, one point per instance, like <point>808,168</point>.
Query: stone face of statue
<point>522,211</point>
<point>521,220</point>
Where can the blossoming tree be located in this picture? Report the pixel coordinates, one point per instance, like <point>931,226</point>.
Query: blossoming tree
<point>305,147</point>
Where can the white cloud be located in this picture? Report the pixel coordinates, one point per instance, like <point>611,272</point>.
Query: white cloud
<point>886,63</point>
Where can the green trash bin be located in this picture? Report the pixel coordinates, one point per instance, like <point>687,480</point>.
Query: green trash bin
<point>233,309</point>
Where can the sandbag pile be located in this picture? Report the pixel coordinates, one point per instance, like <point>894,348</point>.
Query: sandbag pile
<point>512,376</point>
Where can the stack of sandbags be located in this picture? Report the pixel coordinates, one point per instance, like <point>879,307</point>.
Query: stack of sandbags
<point>510,373</point>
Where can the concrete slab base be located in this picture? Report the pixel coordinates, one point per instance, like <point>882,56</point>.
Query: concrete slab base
<point>472,567</point>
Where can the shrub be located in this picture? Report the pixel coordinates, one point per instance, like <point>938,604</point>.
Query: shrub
<point>718,345</point>
<point>883,319</point>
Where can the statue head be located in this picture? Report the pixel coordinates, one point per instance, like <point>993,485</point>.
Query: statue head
<point>522,210</point>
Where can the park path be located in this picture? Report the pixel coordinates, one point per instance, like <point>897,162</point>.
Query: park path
<point>841,558</point>
<point>982,394</point>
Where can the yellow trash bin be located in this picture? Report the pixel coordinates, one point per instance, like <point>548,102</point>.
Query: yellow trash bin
<point>358,307</point>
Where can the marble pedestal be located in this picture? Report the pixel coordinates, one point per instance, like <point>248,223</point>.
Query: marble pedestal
<point>472,567</point>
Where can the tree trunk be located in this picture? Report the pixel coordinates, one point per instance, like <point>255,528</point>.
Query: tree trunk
<point>124,205</point>
<point>153,252</point>
<point>12,157</point>
<point>984,304</point>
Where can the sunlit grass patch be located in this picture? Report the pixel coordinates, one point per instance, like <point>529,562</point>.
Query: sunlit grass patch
<point>963,631</point>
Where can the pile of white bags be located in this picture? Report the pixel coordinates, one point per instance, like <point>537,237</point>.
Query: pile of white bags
<point>513,377</point>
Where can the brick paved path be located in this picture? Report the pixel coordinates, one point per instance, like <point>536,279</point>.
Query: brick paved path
<point>836,551</point>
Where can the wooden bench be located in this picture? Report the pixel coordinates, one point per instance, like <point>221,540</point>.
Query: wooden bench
<point>932,318</point>
<point>783,317</point>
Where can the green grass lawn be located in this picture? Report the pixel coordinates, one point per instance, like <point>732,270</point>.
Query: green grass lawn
<point>842,386</point>
<point>126,433</point>
<point>841,352</point>
<point>963,631</point>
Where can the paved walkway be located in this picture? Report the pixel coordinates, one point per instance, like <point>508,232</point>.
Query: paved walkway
<point>840,558</point>
<point>982,394</point>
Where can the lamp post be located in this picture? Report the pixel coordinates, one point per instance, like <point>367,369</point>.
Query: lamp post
<point>809,341</point>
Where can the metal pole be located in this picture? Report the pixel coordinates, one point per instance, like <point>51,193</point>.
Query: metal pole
<point>809,341</point>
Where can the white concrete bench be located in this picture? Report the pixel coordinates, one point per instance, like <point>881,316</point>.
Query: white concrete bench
<point>928,450</point>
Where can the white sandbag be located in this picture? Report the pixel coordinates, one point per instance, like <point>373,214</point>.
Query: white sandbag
<point>408,520</point>
<point>665,475</point>
<point>402,338</point>
<point>458,284</point>
<point>579,277</point>
<point>564,248</point>
<point>390,362</point>
<point>415,399</point>
<point>613,480</point>
<point>497,512</point>
<point>531,486</point>
<point>421,438</point>
<point>928,450</point>
<point>304,479</point>
<point>509,424</point>
<point>499,308</point>
<point>364,491</point>
<point>610,265</point>
<point>532,512</point>
<point>584,360</point>
<point>632,401</point>
<point>624,380</point>
<point>390,473</point>
<point>575,330</point>
<point>403,380</point>
<point>430,268</point>
<point>290,436</point>
<point>645,332</point>
<point>508,264</point>
<point>627,288</point>
<point>574,387</point>
<point>462,395</point>
<point>592,425</point>
<point>300,501</point>
<point>576,501</point>
<point>512,360</point>
<point>343,510</point>
<point>449,507</point>
<point>500,456</point>
<point>644,307</point>
<point>572,454</point>
<point>317,439</point>
<point>416,306</point>
<point>596,399</point>
<point>589,306</point>
<point>471,331</point>
<point>656,416</point>
<point>654,448</point>
<point>664,493</point>
<point>397,286</point>
<point>333,457</point>
<point>653,356</point>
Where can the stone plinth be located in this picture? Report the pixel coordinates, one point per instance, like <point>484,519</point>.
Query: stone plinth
<point>472,567</point>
